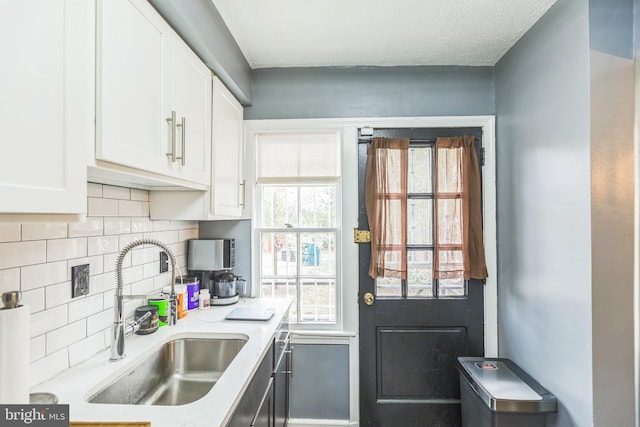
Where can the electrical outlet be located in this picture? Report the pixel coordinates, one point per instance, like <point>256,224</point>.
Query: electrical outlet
<point>164,262</point>
<point>79,280</point>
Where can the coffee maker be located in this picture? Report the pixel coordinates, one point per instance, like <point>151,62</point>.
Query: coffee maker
<point>213,260</point>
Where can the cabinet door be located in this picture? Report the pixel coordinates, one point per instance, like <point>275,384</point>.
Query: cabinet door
<point>191,99</point>
<point>46,112</point>
<point>281,376</point>
<point>133,85</point>
<point>264,415</point>
<point>227,185</point>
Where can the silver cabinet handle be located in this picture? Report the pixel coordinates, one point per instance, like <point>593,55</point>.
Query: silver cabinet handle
<point>243,193</point>
<point>183,127</point>
<point>172,136</point>
<point>290,354</point>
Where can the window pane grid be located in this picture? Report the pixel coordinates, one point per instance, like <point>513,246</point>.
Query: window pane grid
<point>421,224</point>
<point>298,257</point>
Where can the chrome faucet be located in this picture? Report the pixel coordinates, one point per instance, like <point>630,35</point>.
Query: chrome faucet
<point>119,329</point>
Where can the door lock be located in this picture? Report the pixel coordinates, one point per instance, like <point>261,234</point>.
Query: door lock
<point>368,298</point>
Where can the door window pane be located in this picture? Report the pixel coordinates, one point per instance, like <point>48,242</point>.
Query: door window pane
<point>451,287</point>
<point>420,170</point>
<point>420,274</point>
<point>420,222</point>
<point>449,176</point>
<point>450,221</point>
<point>388,287</point>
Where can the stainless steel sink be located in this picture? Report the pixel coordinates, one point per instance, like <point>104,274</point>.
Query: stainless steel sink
<point>181,371</point>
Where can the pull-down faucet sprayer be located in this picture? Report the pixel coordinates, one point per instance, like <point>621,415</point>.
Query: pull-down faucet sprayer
<point>118,330</point>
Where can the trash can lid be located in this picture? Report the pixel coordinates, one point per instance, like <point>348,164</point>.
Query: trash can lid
<point>504,387</point>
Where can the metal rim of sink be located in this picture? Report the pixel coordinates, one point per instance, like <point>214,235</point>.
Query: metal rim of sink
<point>182,370</point>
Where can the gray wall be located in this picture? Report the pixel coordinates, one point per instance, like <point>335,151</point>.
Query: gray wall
<point>320,382</point>
<point>564,105</point>
<point>544,204</point>
<point>239,230</point>
<point>292,93</point>
<point>612,177</point>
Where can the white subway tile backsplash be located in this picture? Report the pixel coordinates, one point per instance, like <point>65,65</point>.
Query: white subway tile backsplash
<point>36,231</point>
<point>17,254</point>
<point>37,259</point>
<point>141,225</point>
<point>66,249</point>
<point>107,299</point>
<point>65,336</point>
<point>92,226</point>
<point>9,280</point>
<point>188,234</point>
<point>125,239</point>
<point>183,225</point>
<point>143,287</point>
<point>167,237</point>
<point>102,245</point>
<point>35,276</point>
<point>84,349</point>
<point>9,233</point>
<point>50,366</point>
<point>48,320</point>
<point>130,208</point>
<point>133,274</point>
<point>94,190</point>
<point>112,192</point>
<point>117,226</point>
<point>146,255</point>
<point>34,299</point>
<point>38,348</point>
<point>102,282</point>
<point>179,249</point>
<point>102,207</point>
<point>161,225</point>
<point>141,195</point>
<point>58,294</point>
<point>151,269</point>
<point>100,321</point>
<point>110,261</point>
<point>84,307</point>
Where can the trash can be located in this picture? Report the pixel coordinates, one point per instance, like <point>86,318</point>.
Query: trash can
<point>497,393</point>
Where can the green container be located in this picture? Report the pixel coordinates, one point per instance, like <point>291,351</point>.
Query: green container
<point>163,309</point>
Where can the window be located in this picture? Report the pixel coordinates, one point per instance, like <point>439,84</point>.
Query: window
<point>297,227</point>
<point>420,224</point>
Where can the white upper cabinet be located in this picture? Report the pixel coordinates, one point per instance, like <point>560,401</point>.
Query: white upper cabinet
<point>191,98</point>
<point>148,84</point>
<point>46,112</point>
<point>227,182</point>
<point>226,196</point>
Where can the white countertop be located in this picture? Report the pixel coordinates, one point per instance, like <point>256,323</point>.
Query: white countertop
<point>75,385</point>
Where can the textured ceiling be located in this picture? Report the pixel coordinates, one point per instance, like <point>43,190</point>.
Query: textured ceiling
<point>306,33</point>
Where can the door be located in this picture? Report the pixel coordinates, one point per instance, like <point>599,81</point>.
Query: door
<point>414,329</point>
